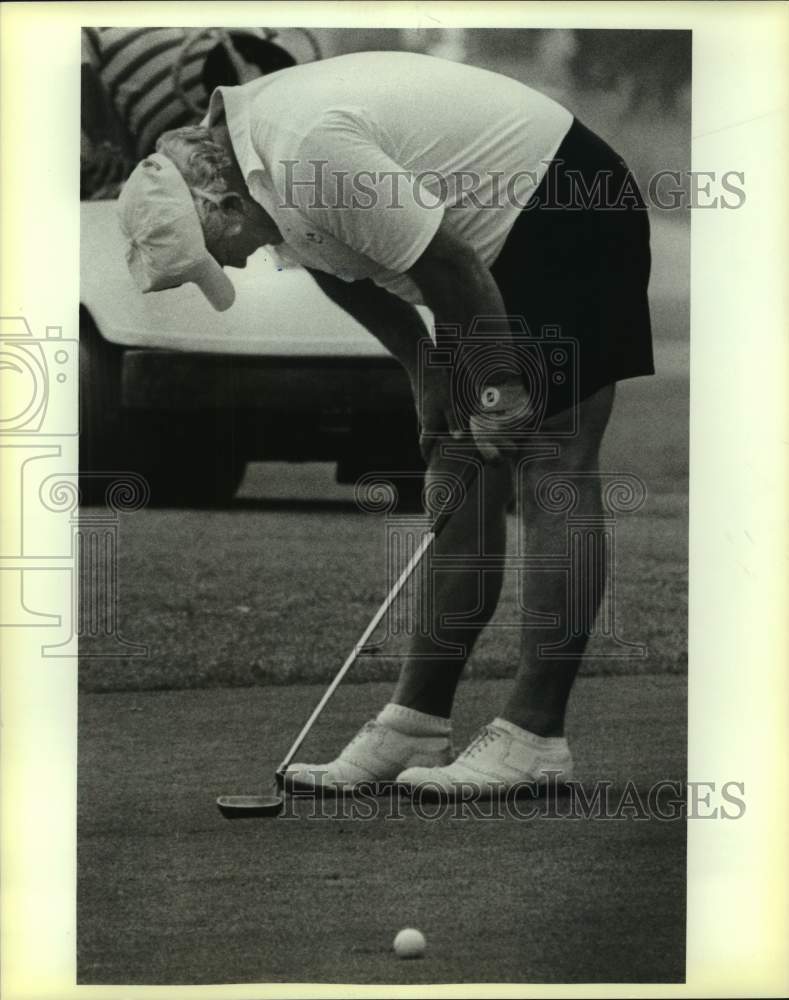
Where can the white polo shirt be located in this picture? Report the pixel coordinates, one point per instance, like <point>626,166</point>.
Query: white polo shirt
<point>359,158</point>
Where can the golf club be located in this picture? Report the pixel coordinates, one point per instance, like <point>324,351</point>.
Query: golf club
<point>249,806</point>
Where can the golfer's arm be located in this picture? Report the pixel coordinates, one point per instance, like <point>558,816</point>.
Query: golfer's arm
<point>457,286</point>
<point>395,323</point>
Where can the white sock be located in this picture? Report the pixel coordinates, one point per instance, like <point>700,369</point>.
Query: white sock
<point>532,739</point>
<point>412,723</point>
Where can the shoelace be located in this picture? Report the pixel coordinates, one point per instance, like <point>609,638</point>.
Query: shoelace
<point>485,736</point>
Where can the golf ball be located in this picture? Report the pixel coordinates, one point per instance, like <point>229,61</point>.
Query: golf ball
<point>410,943</point>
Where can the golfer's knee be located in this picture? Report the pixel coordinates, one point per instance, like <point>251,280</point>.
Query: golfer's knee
<point>570,479</point>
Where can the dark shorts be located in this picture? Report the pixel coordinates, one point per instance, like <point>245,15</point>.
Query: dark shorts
<point>576,263</point>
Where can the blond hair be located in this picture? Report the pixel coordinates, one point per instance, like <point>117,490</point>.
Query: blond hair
<point>203,163</point>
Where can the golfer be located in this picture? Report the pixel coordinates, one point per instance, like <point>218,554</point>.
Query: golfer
<point>399,179</point>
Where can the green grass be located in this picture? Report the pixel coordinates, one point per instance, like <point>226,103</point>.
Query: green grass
<point>169,892</point>
<point>278,590</point>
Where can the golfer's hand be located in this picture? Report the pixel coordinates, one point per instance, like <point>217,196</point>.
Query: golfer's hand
<point>499,422</point>
<point>436,414</point>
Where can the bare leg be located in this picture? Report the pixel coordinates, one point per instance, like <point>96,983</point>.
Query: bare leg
<point>430,675</point>
<point>542,686</point>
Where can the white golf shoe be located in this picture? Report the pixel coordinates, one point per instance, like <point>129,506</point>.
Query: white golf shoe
<point>374,757</point>
<point>501,760</point>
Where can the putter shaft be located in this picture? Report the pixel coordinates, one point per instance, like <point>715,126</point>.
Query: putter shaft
<point>467,478</point>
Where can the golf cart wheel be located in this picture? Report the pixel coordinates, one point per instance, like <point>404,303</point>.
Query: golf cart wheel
<point>188,460</point>
<point>391,456</point>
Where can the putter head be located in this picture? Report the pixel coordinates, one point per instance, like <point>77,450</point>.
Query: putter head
<point>250,806</point>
